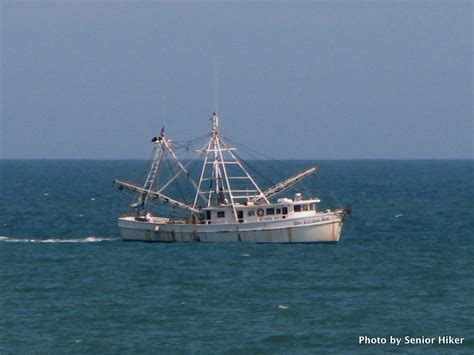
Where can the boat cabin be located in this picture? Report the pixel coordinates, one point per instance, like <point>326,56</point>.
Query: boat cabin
<point>249,212</point>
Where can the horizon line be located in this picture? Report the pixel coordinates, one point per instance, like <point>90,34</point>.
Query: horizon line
<point>269,159</point>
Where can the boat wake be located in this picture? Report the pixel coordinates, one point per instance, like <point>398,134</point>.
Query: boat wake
<point>91,239</point>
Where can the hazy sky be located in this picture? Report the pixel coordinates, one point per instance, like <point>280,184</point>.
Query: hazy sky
<point>308,80</point>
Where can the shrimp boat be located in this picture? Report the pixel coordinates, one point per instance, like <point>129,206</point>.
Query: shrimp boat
<point>228,204</point>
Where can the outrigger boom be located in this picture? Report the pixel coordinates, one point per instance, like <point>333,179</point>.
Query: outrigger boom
<point>285,184</point>
<point>155,194</point>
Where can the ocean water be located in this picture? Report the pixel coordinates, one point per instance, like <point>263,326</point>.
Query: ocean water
<point>404,267</point>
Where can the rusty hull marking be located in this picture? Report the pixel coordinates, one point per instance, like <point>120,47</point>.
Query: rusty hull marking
<point>290,235</point>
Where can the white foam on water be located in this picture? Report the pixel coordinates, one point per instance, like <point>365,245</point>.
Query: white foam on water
<point>398,215</point>
<point>283,306</point>
<point>244,254</point>
<point>91,239</point>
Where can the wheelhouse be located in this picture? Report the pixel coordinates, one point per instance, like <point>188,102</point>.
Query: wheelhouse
<point>248,212</point>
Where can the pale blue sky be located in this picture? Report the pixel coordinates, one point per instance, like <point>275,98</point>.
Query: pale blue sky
<point>308,80</point>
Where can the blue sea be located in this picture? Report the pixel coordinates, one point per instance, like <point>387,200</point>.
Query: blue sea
<point>404,267</point>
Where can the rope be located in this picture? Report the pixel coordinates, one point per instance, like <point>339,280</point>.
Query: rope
<point>267,157</point>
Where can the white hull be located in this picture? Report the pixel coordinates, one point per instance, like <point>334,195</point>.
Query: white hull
<point>324,228</point>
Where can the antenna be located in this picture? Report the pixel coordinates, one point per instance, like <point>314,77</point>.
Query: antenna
<point>215,88</point>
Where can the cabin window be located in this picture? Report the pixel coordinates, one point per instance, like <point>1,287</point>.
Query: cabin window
<point>208,215</point>
<point>297,208</point>
<point>270,211</point>
<point>278,210</point>
<point>251,213</point>
<point>240,214</point>
<point>220,214</point>
<point>312,207</point>
<point>305,207</point>
<point>284,210</point>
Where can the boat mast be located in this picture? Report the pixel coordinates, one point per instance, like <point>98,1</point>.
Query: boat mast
<point>157,156</point>
<point>221,192</point>
<point>221,158</point>
<point>162,146</point>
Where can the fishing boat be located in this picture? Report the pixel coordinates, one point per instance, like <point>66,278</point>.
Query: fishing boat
<point>228,204</point>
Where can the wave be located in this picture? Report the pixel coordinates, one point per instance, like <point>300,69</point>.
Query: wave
<point>91,239</point>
